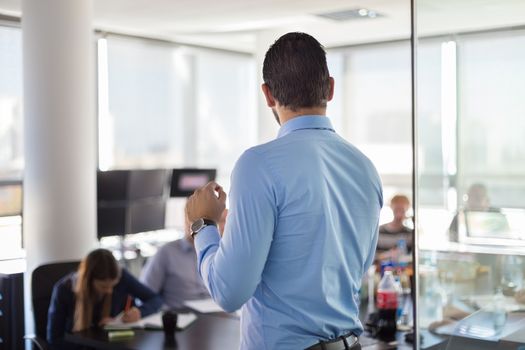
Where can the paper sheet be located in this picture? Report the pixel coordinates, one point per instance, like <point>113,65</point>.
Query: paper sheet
<point>204,306</point>
<point>152,321</point>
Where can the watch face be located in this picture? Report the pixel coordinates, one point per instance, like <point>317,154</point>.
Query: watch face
<point>197,225</point>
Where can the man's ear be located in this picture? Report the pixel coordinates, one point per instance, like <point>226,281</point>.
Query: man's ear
<point>331,91</point>
<point>270,100</point>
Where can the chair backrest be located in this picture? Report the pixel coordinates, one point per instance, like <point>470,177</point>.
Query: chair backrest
<point>43,280</point>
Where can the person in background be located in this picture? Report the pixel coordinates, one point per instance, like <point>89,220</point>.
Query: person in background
<point>172,271</point>
<point>303,217</point>
<point>391,233</point>
<point>476,199</point>
<point>94,295</point>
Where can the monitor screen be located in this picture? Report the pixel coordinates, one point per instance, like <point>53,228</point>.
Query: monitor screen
<point>189,182</point>
<point>123,185</point>
<point>487,224</point>
<point>132,217</point>
<point>185,181</point>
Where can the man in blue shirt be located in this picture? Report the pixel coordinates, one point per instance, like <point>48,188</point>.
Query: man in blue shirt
<point>303,217</point>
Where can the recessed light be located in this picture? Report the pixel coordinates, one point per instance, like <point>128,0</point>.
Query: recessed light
<point>363,12</point>
<point>345,15</point>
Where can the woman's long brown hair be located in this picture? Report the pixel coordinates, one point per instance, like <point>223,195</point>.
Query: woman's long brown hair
<point>98,265</point>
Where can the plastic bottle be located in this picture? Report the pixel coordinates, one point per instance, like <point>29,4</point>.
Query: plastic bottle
<point>402,248</point>
<point>499,312</point>
<point>371,274</point>
<point>387,295</point>
<point>385,265</point>
<point>400,297</point>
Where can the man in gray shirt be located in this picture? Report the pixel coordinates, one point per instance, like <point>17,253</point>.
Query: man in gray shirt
<point>172,272</point>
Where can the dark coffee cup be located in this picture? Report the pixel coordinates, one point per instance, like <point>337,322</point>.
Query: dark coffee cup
<point>169,323</point>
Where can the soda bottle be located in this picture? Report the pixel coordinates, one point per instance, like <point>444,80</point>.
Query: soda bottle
<point>387,307</point>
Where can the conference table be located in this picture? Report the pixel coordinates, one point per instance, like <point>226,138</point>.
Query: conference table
<point>208,332</point>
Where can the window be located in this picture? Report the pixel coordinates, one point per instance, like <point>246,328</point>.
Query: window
<point>156,98</point>
<point>11,123</point>
<point>141,104</point>
<point>11,143</point>
<point>491,114</point>
<point>225,109</point>
<point>431,172</point>
<point>372,109</point>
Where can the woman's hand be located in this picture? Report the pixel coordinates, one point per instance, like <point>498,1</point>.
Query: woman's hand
<point>105,321</point>
<point>132,315</point>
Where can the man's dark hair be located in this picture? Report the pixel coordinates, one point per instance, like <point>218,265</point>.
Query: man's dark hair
<point>296,72</point>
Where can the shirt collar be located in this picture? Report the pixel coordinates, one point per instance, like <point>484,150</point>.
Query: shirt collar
<point>305,122</point>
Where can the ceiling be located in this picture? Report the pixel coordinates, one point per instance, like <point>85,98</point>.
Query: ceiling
<point>239,24</point>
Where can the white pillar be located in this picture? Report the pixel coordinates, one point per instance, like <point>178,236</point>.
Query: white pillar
<point>60,132</point>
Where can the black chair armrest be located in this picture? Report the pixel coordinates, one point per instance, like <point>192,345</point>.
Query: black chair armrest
<point>38,343</point>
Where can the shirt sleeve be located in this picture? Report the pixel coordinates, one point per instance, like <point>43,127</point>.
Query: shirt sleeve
<point>372,252</point>
<point>376,233</point>
<point>232,267</point>
<point>154,273</point>
<point>56,317</point>
<point>151,302</point>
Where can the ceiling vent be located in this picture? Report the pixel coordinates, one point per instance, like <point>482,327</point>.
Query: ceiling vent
<point>352,14</point>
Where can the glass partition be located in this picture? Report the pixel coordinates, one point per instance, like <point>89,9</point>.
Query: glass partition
<point>470,211</point>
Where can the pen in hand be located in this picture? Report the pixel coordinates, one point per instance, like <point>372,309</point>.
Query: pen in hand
<point>130,314</point>
<point>128,304</point>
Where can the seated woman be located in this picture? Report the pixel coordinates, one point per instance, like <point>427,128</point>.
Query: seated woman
<point>95,294</point>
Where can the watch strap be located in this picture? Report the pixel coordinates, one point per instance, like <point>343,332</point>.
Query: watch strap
<point>206,222</point>
<point>209,222</point>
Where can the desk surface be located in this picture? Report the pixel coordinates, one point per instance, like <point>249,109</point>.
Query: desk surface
<point>208,332</point>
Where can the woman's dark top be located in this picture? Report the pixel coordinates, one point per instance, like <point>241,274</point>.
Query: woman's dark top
<point>62,308</point>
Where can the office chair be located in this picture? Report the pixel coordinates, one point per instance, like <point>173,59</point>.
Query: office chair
<point>43,280</point>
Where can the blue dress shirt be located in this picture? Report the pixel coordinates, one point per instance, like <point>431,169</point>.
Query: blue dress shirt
<point>301,231</point>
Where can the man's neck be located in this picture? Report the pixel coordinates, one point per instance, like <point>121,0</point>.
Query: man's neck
<point>286,114</point>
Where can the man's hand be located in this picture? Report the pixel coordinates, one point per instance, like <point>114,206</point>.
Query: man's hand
<point>207,202</point>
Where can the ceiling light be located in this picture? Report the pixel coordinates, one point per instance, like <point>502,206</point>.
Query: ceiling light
<point>345,15</point>
<point>363,12</point>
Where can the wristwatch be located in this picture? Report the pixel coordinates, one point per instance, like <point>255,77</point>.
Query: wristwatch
<point>199,224</point>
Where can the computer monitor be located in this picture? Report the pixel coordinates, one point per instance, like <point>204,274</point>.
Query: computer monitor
<point>131,201</point>
<point>494,227</point>
<point>486,224</point>
<point>124,185</point>
<point>185,181</point>
<point>148,215</point>
<point>133,217</point>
